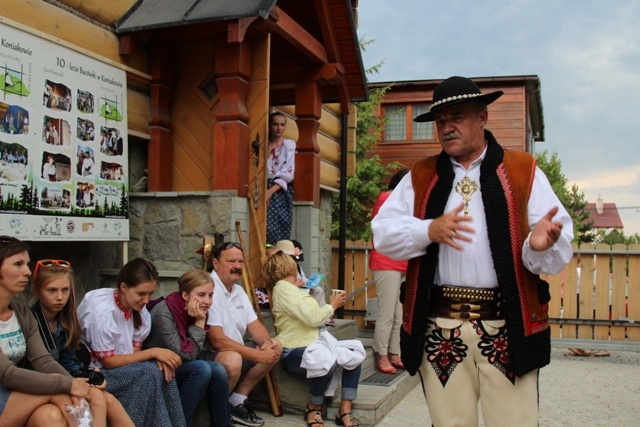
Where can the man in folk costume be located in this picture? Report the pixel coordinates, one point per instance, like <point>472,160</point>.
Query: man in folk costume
<point>479,225</point>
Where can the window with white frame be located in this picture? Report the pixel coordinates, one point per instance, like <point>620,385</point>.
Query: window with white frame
<point>400,125</point>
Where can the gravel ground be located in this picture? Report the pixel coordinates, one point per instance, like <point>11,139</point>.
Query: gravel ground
<point>574,391</point>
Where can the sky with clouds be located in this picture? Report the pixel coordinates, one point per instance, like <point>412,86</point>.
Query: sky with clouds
<point>586,53</point>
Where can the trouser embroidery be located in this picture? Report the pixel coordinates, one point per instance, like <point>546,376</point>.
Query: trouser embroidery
<point>495,349</point>
<point>444,353</point>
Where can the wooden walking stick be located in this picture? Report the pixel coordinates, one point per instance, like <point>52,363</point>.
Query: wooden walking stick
<point>272,387</point>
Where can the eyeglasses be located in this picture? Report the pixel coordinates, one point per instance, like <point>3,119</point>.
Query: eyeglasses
<point>46,263</point>
<point>226,246</point>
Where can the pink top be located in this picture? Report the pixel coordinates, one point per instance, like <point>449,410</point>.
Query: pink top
<point>377,261</point>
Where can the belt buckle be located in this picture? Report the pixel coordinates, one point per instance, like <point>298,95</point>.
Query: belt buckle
<point>465,307</point>
<point>464,315</point>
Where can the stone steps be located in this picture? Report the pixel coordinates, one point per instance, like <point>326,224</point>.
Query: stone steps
<point>376,398</point>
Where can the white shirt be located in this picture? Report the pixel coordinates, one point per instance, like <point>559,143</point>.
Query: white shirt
<point>105,330</point>
<point>12,342</point>
<point>400,235</point>
<point>230,310</point>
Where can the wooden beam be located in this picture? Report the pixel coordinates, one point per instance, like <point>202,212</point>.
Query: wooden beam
<point>300,38</point>
<point>328,31</point>
<point>105,12</point>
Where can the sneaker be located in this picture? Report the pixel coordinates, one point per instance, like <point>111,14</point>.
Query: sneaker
<point>243,415</point>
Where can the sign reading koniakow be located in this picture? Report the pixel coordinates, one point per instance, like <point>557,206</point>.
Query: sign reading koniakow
<point>63,142</point>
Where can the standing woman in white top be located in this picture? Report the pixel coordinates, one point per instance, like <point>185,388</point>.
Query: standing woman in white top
<point>280,170</point>
<point>114,324</point>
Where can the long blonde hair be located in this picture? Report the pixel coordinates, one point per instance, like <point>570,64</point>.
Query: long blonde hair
<point>67,317</point>
<point>277,267</point>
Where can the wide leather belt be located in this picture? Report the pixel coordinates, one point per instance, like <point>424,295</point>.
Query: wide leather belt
<point>464,303</point>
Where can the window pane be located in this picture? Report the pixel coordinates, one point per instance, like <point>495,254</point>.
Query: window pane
<point>421,130</point>
<point>396,126</point>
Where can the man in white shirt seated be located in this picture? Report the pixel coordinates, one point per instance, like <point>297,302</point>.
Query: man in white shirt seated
<point>230,318</point>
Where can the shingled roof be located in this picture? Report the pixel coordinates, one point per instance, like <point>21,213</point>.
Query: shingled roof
<point>609,218</point>
<point>152,14</point>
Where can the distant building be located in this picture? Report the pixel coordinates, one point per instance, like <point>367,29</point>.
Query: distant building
<point>604,216</point>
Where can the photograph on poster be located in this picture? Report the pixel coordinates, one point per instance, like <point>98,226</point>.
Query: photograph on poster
<point>56,96</point>
<point>111,142</point>
<point>52,198</point>
<point>12,81</point>
<point>110,109</point>
<point>56,131</point>
<point>85,195</point>
<point>85,101</point>
<point>13,162</point>
<point>85,129</point>
<point>55,167</point>
<point>111,171</point>
<point>86,162</point>
<point>15,119</point>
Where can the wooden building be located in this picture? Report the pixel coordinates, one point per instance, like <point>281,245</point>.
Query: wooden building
<point>515,119</point>
<point>202,78</point>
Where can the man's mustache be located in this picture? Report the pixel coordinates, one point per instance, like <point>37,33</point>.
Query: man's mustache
<point>450,135</point>
<point>236,271</point>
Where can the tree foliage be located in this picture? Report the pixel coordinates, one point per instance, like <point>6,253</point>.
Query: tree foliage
<point>573,200</point>
<point>368,180</point>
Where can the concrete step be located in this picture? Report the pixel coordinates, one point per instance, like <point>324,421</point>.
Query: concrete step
<point>378,393</point>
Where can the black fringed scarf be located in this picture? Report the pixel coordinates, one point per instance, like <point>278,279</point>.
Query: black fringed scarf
<point>505,185</point>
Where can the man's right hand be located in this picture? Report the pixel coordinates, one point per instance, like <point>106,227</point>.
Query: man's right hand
<point>447,228</point>
<point>267,355</point>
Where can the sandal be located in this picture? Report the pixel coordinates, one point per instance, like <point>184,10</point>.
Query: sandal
<point>387,368</point>
<point>340,421</point>
<point>317,420</point>
<point>398,364</point>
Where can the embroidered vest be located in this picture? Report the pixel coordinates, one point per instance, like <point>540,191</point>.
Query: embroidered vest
<point>506,179</point>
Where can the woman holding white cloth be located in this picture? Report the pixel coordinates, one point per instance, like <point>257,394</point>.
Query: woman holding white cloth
<point>297,317</point>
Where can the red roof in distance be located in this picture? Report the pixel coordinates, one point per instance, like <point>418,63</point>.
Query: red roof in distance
<point>609,218</point>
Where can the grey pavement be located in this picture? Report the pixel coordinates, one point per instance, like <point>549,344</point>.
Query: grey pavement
<point>585,391</point>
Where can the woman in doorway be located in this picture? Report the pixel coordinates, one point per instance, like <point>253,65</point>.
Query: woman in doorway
<point>32,398</point>
<point>280,171</point>
<point>114,324</point>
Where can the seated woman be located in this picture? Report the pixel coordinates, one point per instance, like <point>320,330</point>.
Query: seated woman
<point>35,397</point>
<point>179,324</point>
<point>55,311</point>
<point>114,324</point>
<point>297,317</point>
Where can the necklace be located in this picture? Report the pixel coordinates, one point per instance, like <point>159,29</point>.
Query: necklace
<point>466,187</point>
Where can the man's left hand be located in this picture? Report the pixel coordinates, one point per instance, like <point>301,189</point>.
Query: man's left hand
<point>546,232</point>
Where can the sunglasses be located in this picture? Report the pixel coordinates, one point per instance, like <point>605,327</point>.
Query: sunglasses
<point>47,263</point>
<point>226,246</point>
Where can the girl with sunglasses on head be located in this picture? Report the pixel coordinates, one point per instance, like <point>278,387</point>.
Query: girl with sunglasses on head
<point>114,323</point>
<point>55,311</point>
<point>179,324</point>
<point>37,397</point>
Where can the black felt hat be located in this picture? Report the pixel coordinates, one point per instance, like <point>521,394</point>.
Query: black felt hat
<point>455,90</point>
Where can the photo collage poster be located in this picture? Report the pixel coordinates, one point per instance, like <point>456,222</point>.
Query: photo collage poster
<point>63,142</point>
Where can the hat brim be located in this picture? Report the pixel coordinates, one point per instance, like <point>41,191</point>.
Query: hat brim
<point>487,99</point>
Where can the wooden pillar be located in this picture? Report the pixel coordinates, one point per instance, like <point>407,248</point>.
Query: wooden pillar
<point>231,145</point>
<point>161,90</point>
<point>308,110</point>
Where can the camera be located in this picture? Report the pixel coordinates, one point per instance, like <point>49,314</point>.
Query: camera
<point>94,377</point>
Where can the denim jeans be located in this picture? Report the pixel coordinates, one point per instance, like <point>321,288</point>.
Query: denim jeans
<point>317,386</point>
<point>198,378</point>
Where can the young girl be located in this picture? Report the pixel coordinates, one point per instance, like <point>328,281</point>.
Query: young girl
<point>55,311</point>
<point>34,398</point>
<point>297,316</point>
<point>179,324</point>
<point>114,324</point>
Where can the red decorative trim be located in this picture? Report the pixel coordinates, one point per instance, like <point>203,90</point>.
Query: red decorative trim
<point>103,354</point>
<point>412,277</point>
<point>127,313</point>
<point>137,344</point>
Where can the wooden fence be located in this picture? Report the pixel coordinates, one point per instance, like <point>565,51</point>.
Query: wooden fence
<point>596,297</point>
